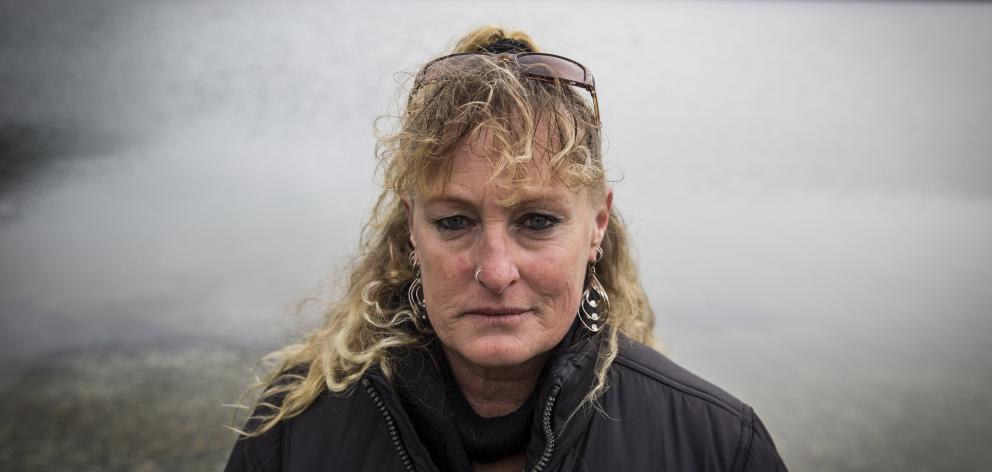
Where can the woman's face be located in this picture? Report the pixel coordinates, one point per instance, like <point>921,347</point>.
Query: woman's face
<point>533,258</point>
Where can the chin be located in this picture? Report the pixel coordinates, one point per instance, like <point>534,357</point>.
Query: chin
<point>498,350</point>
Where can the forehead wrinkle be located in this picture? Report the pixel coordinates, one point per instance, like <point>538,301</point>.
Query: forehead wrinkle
<point>506,193</point>
<point>555,195</point>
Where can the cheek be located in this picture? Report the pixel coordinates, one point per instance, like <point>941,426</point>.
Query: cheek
<point>444,276</point>
<point>560,284</point>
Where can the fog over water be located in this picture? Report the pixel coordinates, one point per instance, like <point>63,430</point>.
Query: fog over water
<point>808,187</point>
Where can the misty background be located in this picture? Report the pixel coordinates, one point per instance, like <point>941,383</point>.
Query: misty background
<point>808,187</point>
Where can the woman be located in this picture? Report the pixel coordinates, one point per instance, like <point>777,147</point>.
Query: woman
<point>493,319</point>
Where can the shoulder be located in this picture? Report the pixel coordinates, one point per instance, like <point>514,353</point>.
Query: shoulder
<point>336,431</point>
<point>268,450</point>
<point>650,385</point>
<point>657,371</point>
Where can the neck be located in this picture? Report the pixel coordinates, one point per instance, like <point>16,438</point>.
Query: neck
<point>495,391</point>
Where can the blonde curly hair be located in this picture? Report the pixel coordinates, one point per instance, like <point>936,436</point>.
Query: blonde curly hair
<point>373,317</point>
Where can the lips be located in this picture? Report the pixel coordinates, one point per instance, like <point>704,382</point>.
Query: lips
<point>496,311</point>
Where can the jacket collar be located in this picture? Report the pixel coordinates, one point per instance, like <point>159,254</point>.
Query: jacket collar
<point>569,377</point>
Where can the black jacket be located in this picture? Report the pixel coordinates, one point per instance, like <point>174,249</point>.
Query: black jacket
<point>655,416</point>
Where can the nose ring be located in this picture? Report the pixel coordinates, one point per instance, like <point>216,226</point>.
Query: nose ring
<point>477,272</point>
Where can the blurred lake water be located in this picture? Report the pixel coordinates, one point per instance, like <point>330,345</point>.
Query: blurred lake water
<point>807,186</point>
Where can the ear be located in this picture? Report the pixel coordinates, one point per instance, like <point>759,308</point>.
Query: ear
<point>408,209</point>
<point>601,221</point>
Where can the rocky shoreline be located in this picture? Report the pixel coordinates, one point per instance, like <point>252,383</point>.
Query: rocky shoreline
<point>150,409</point>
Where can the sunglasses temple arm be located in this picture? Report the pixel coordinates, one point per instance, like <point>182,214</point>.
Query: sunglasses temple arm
<point>595,103</point>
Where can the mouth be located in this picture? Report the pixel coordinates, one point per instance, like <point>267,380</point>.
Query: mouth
<point>496,311</point>
<point>497,314</point>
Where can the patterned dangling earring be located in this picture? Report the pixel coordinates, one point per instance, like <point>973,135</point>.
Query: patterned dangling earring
<point>595,302</point>
<point>418,309</point>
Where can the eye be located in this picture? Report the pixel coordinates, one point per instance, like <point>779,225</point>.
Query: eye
<point>538,221</point>
<point>452,223</point>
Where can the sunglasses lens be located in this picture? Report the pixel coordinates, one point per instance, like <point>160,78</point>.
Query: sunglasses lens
<point>553,66</point>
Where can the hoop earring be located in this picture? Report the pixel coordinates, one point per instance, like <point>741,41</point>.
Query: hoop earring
<point>595,302</point>
<point>415,294</point>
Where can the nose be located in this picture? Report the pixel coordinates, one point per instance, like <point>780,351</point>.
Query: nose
<point>496,270</point>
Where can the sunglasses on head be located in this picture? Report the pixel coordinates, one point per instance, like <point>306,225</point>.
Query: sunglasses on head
<point>534,65</point>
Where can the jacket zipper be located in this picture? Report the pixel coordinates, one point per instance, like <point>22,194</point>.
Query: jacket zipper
<point>391,424</point>
<point>549,434</point>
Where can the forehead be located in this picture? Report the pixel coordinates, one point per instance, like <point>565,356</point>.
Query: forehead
<point>480,170</point>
